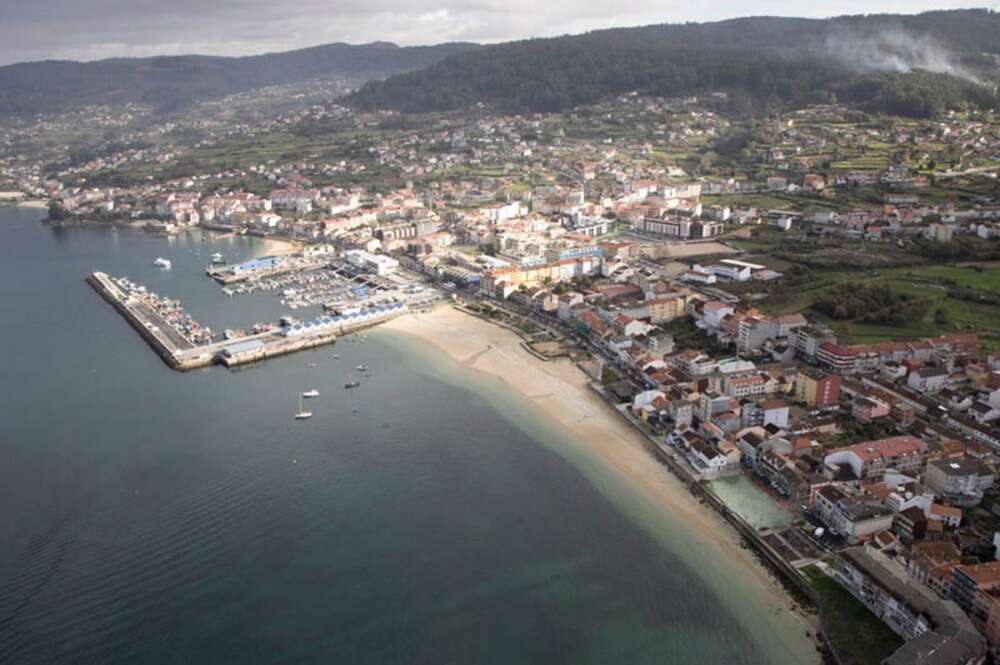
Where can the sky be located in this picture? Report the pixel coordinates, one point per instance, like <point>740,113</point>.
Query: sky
<point>94,29</point>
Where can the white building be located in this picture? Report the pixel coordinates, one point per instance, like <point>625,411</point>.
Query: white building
<point>375,263</point>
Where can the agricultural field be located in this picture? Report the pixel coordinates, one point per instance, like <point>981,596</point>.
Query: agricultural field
<point>944,313</point>
<point>982,276</point>
<point>958,296</point>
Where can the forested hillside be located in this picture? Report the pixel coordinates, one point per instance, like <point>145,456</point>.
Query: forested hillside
<point>910,65</point>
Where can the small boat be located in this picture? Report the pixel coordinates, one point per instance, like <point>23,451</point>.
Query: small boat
<point>355,410</point>
<point>362,367</point>
<point>311,393</point>
<point>336,356</point>
<point>302,414</point>
<point>312,364</point>
<point>217,258</point>
<point>352,384</point>
<point>162,262</point>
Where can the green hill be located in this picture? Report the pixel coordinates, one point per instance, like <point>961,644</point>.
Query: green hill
<point>912,65</point>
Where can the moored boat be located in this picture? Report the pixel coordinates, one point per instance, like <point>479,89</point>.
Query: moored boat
<point>302,414</point>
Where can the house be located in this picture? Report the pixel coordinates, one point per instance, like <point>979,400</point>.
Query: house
<point>950,516</point>
<point>968,584</point>
<point>567,302</point>
<point>983,412</point>
<point>854,519</point>
<point>713,459</point>
<point>694,363</point>
<point>765,412</point>
<point>928,379</point>
<point>745,385</point>
<point>713,313</point>
<point>867,409</point>
<point>931,564</point>
<point>751,444</point>
<point>777,183</point>
<point>817,389</point>
<point>939,232</point>
<point>910,525</point>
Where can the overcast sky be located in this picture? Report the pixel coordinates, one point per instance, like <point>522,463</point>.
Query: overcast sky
<point>92,29</point>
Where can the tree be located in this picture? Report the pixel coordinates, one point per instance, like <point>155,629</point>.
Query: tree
<point>57,213</point>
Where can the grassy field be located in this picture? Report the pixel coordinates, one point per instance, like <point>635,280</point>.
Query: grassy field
<point>859,637</point>
<point>980,276</point>
<point>920,281</point>
<point>769,201</point>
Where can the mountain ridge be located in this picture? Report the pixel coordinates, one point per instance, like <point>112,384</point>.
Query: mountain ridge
<point>176,80</point>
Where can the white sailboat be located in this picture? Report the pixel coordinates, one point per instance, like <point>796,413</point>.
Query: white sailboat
<point>302,415</point>
<point>311,393</point>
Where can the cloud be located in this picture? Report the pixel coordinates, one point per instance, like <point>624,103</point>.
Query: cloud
<point>92,29</point>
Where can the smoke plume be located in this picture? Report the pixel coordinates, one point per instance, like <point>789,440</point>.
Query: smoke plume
<point>893,50</point>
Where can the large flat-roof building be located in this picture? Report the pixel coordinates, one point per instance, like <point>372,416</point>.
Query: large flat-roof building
<point>374,263</point>
<point>960,482</point>
<point>936,631</point>
<point>871,458</point>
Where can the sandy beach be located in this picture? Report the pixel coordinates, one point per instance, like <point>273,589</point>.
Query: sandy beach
<point>560,390</point>
<point>278,246</point>
<point>20,200</point>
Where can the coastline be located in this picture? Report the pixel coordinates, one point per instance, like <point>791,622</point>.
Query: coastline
<point>37,204</point>
<point>559,392</point>
<point>15,199</point>
<point>271,246</point>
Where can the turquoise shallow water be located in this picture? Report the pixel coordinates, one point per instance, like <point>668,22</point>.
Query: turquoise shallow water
<point>156,517</point>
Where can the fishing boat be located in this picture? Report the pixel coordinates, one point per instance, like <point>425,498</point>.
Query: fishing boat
<point>217,258</point>
<point>362,367</point>
<point>302,414</point>
<point>311,393</point>
<point>162,262</point>
<point>352,384</point>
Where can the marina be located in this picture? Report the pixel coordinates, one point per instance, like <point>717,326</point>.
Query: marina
<point>184,345</point>
<point>264,267</point>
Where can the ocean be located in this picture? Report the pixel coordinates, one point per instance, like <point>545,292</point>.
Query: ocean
<point>148,516</point>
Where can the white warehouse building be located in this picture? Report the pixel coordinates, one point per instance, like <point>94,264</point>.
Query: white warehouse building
<point>376,263</point>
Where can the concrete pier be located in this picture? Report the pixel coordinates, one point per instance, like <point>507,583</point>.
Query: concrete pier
<point>176,351</point>
<point>180,354</point>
